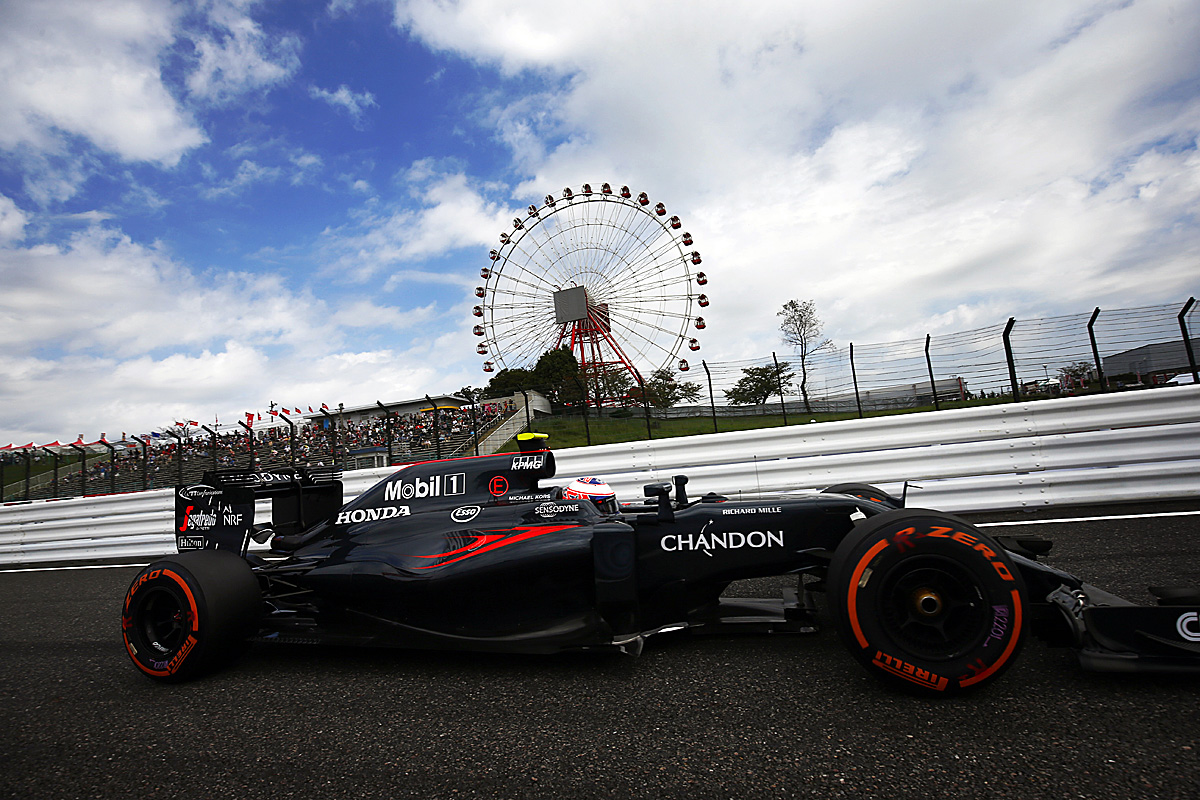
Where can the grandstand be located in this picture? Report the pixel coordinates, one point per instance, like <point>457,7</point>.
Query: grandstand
<point>353,438</point>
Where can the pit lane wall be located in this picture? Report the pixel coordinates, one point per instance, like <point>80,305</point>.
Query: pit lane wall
<point>1127,447</point>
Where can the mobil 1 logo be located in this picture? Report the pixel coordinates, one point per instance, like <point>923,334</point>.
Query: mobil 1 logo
<point>420,488</point>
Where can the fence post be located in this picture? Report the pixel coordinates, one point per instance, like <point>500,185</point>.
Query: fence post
<point>387,424</point>
<point>854,375</point>
<point>1187,339</point>
<point>1008,353</point>
<point>112,466</point>
<point>645,402</point>
<point>28,473</point>
<point>1096,350</point>
<point>145,462</point>
<point>471,395</point>
<point>213,434</point>
<point>779,386</point>
<point>528,418</point>
<point>250,440</point>
<point>437,436</point>
<point>929,365</point>
<point>712,403</point>
<point>178,454</point>
<point>2,479</point>
<point>54,481</point>
<point>587,428</point>
<point>82,466</point>
<point>291,440</point>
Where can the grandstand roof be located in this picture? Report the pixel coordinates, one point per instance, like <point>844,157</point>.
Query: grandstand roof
<point>399,406</point>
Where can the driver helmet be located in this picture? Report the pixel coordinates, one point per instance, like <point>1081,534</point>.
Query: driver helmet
<point>595,490</point>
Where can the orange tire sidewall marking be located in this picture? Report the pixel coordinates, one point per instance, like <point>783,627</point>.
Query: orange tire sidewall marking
<point>1008,651</point>
<point>852,596</point>
<point>195,619</point>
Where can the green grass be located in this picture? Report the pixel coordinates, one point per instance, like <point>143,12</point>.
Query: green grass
<point>568,432</point>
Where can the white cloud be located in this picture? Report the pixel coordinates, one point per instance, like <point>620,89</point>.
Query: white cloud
<point>906,166</point>
<point>353,103</point>
<point>450,215</point>
<point>91,70</point>
<point>248,174</point>
<point>12,222</point>
<point>124,337</point>
<point>239,57</point>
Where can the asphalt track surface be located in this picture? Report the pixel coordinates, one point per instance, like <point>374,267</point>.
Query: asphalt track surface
<point>696,717</point>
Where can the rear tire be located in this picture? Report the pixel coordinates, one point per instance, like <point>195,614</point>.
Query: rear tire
<point>927,602</point>
<point>189,614</point>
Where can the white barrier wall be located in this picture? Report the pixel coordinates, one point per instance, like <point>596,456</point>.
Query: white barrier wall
<point>1133,446</point>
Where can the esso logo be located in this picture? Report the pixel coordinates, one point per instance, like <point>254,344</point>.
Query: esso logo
<point>465,513</point>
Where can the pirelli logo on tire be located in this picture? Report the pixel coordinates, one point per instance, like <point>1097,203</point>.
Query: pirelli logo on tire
<point>909,672</point>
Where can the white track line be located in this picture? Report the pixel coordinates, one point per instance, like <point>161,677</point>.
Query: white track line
<point>1086,519</point>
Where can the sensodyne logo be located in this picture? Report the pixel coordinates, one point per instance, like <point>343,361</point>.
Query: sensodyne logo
<point>720,540</point>
<point>465,513</point>
<point>1188,626</point>
<point>528,462</point>
<point>550,509</point>
<point>371,514</point>
<point>433,486</point>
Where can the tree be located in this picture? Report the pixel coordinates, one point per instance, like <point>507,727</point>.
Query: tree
<point>556,375</point>
<point>802,329</point>
<point>663,391</point>
<point>608,384</point>
<point>1075,373</point>
<point>759,383</point>
<point>507,382</point>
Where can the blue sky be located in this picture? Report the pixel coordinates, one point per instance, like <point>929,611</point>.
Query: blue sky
<point>208,206</point>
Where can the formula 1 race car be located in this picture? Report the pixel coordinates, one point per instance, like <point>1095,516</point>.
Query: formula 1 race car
<point>475,554</point>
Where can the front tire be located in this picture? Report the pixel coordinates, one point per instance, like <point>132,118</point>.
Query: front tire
<point>186,615</point>
<point>926,601</point>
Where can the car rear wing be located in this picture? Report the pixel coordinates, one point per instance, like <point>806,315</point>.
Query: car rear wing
<point>218,512</point>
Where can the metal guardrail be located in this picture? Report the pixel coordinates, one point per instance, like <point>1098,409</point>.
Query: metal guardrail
<point>1125,447</point>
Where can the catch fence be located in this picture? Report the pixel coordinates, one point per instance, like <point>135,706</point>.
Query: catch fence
<point>1017,360</point>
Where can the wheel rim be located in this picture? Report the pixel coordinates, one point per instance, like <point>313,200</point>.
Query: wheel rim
<point>934,607</point>
<point>162,620</point>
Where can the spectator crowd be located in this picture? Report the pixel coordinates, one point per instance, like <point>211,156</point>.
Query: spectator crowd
<point>320,442</point>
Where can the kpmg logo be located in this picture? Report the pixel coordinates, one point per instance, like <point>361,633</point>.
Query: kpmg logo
<point>528,462</point>
<point>433,486</point>
<point>465,513</point>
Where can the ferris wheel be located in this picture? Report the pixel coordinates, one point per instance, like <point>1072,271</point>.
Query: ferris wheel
<point>605,274</point>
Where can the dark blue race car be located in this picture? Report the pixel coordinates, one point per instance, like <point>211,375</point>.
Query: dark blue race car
<point>486,554</point>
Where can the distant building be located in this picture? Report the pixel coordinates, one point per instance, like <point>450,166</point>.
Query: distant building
<point>1161,358</point>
